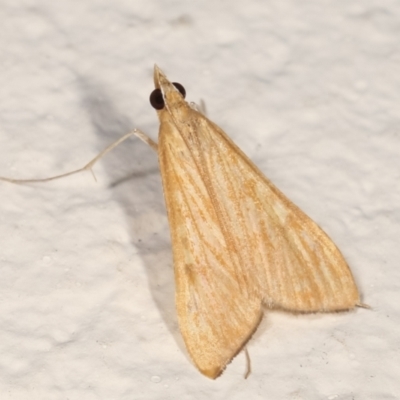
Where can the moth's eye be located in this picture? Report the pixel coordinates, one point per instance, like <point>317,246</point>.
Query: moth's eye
<point>181,89</point>
<point>156,99</point>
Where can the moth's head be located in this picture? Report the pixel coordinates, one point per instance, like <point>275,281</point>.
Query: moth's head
<point>166,95</point>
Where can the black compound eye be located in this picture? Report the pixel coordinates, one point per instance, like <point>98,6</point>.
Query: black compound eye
<point>156,99</point>
<point>181,89</point>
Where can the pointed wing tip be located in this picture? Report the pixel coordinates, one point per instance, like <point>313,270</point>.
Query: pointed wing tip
<point>363,305</point>
<point>212,373</point>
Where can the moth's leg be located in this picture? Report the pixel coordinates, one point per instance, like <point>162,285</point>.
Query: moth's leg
<point>91,163</point>
<point>248,364</point>
<point>142,136</point>
<point>201,108</point>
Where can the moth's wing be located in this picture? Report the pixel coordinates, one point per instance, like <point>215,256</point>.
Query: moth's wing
<point>216,313</point>
<point>284,254</point>
<point>238,243</point>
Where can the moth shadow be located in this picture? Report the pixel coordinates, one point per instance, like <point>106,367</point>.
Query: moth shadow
<point>133,171</point>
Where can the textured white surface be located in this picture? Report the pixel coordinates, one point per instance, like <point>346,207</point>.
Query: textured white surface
<point>310,91</point>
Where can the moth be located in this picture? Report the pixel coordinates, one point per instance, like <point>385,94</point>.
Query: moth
<point>239,245</point>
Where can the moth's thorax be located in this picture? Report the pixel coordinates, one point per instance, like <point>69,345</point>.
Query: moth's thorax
<point>179,119</point>
<point>174,100</point>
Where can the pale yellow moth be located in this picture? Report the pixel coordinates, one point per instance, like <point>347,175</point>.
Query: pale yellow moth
<point>239,245</point>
